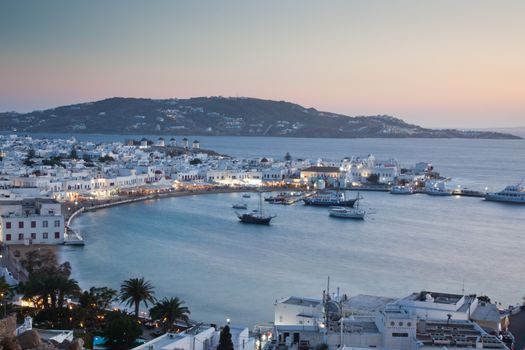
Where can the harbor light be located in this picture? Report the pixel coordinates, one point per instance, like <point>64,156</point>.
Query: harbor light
<point>228,321</point>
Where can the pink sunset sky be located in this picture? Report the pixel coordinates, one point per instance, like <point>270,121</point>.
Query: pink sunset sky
<point>443,63</point>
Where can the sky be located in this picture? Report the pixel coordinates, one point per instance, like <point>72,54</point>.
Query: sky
<point>436,63</point>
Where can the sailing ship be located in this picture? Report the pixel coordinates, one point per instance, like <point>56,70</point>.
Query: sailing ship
<point>257,217</point>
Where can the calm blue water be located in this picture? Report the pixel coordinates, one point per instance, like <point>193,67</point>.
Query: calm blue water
<point>194,248</point>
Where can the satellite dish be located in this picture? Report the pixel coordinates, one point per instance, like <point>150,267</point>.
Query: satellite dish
<point>333,311</point>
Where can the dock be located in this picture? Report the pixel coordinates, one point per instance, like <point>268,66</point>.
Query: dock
<point>71,237</point>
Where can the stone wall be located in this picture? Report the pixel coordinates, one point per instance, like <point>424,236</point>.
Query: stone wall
<point>7,327</point>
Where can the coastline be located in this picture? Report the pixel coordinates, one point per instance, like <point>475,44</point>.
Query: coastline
<point>127,200</point>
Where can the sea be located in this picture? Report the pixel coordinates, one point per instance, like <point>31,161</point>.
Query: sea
<point>194,247</point>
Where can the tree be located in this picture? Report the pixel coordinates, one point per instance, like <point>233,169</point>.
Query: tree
<point>98,298</point>
<point>28,160</point>
<point>73,154</point>
<point>106,158</point>
<point>49,283</point>
<point>195,161</point>
<point>225,340</point>
<point>373,178</point>
<point>287,157</point>
<point>6,291</point>
<point>169,311</point>
<point>53,161</point>
<point>135,291</point>
<point>121,331</point>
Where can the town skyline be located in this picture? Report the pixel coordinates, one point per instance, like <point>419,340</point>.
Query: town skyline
<point>438,64</point>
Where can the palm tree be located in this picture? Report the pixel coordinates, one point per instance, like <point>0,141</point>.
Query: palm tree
<point>136,290</point>
<point>169,311</point>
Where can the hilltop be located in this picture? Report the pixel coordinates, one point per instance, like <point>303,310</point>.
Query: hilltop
<point>219,116</point>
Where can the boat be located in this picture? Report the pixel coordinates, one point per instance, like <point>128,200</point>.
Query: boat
<point>436,191</point>
<point>510,194</point>
<point>246,195</point>
<point>402,190</point>
<point>257,216</point>
<point>465,192</point>
<point>285,198</point>
<point>240,206</point>
<point>330,199</point>
<point>348,213</point>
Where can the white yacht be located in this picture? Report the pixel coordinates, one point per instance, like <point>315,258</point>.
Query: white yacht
<point>347,213</point>
<point>511,194</point>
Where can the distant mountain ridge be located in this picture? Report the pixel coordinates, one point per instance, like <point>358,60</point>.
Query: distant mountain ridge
<point>219,116</point>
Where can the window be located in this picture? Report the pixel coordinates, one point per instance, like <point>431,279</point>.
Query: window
<point>8,237</point>
<point>57,223</point>
<point>33,235</point>
<point>57,235</point>
<point>44,223</point>
<point>44,235</point>
<point>400,324</point>
<point>409,324</point>
<point>400,335</point>
<point>20,224</point>
<point>33,224</point>
<point>8,224</point>
<point>392,323</point>
<point>20,236</point>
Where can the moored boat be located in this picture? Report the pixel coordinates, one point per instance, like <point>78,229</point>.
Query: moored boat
<point>510,194</point>
<point>436,191</point>
<point>257,217</point>
<point>240,206</point>
<point>347,213</point>
<point>402,190</point>
<point>330,199</point>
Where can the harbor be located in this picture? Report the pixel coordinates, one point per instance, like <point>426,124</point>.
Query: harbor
<point>394,249</point>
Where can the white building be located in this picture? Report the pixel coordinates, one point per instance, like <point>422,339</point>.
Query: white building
<point>420,321</point>
<point>31,221</point>
<point>199,338</point>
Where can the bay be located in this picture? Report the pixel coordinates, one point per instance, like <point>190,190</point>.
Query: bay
<point>194,247</point>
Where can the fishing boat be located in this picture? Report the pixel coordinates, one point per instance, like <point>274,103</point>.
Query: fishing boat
<point>510,194</point>
<point>348,213</point>
<point>246,195</point>
<point>240,206</point>
<point>330,199</point>
<point>257,216</point>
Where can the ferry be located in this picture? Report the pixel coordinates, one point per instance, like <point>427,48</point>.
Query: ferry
<point>511,194</point>
<point>330,199</point>
<point>402,190</point>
